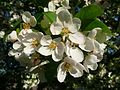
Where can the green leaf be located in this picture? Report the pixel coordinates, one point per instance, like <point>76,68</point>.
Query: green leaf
<point>89,12</point>
<point>17,30</point>
<point>97,23</point>
<point>45,22</point>
<point>17,23</point>
<point>38,16</point>
<point>50,15</point>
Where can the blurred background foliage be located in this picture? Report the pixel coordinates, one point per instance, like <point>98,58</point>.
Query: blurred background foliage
<point>107,76</point>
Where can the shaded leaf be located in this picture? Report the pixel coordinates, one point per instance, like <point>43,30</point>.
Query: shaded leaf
<point>97,23</point>
<point>89,12</point>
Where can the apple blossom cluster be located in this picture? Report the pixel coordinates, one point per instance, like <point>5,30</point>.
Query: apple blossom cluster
<point>77,51</point>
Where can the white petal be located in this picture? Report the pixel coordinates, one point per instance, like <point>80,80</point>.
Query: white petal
<point>80,67</point>
<point>65,16</point>
<point>60,9</point>
<point>67,48</point>
<point>77,38</point>
<point>88,45</point>
<point>51,6</point>
<point>70,61</point>
<point>93,66</point>
<point>23,32</point>
<point>75,72</point>
<point>77,23</point>
<point>12,52</point>
<point>26,17</point>
<point>92,33</point>
<point>17,45</point>
<point>60,48</point>
<point>12,36</point>
<point>71,27</point>
<point>86,67</point>
<point>97,48</point>
<point>33,21</point>
<point>76,54</point>
<point>91,59</point>
<point>46,9</point>
<point>46,40</point>
<point>56,28</point>
<point>56,57</point>
<point>61,75</point>
<point>45,51</point>
<point>65,3</point>
<point>29,50</point>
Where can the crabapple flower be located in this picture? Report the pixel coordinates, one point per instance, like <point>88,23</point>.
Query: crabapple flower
<point>67,26</point>
<point>69,65</point>
<point>91,44</point>
<point>90,62</point>
<point>29,21</point>
<point>12,36</point>
<point>31,41</point>
<point>53,4</point>
<point>51,47</point>
<point>51,7</point>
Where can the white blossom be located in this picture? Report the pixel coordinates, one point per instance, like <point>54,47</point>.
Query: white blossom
<point>53,4</point>
<point>90,62</point>
<point>52,47</point>
<point>91,44</point>
<point>69,65</point>
<point>67,26</point>
<point>31,41</point>
<point>29,19</point>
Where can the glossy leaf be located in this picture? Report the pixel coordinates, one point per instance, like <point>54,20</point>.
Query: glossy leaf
<point>89,12</point>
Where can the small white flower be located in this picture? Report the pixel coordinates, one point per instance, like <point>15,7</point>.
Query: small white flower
<point>12,36</point>
<point>90,62</point>
<point>15,17</point>
<point>67,27</point>
<point>2,33</point>
<point>91,44</point>
<point>53,4</point>
<point>52,47</point>
<point>69,65</point>
<point>29,19</point>
<point>51,7</point>
<point>31,41</point>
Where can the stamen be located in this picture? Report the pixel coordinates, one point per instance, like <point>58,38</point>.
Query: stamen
<point>26,26</point>
<point>67,66</point>
<point>65,31</point>
<point>53,45</point>
<point>35,42</point>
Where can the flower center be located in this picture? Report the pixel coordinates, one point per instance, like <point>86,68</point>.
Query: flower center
<point>67,66</point>
<point>26,25</point>
<point>53,45</point>
<point>35,42</point>
<point>65,31</point>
